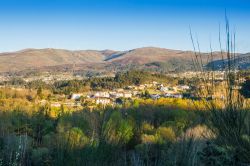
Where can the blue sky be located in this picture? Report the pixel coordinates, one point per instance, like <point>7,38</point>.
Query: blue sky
<point>120,24</point>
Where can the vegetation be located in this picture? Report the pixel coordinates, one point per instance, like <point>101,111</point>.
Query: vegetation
<point>121,79</point>
<point>112,136</point>
<point>245,90</point>
<point>140,131</point>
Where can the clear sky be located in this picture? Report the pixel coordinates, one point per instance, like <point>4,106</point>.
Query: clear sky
<point>120,24</point>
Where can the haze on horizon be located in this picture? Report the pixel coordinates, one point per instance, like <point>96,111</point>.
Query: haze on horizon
<point>120,25</point>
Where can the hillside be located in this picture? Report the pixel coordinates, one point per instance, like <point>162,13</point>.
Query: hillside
<point>150,58</point>
<point>242,62</point>
<point>37,58</point>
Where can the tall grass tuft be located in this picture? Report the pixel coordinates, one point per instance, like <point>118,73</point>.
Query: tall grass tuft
<point>229,122</point>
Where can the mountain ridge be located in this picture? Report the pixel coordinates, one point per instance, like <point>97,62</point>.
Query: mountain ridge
<point>152,58</point>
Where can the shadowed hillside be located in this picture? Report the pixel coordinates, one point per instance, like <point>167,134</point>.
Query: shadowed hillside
<point>242,61</point>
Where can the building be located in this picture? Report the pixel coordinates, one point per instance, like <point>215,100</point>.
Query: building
<point>127,95</point>
<point>102,100</point>
<point>155,96</point>
<point>55,104</point>
<point>135,93</point>
<point>171,95</point>
<point>141,87</point>
<point>164,89</point>
<point>116,95</point>
<point>101,94</point>
<point>184,87</point>
<point>76,96</point>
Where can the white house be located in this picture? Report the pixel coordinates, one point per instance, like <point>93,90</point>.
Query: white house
<point>76,96</point>
<point>116,95</point>
<point>55,104</point>
<point>127,95</point>
<point>164,89</point>
<point>155,96</point>
<point>171,95</point>
<point>102,100</point>
<point>183,87</point>
<point>102,94</point>
<point>178,96</point>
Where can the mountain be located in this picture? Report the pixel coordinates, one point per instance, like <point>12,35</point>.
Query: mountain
<point>241,61</point>
<point>149,58</point>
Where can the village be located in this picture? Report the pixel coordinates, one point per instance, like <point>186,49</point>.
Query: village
<point>152,90</point>
<point>116,96</point>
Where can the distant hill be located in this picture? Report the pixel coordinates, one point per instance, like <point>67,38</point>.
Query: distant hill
<point>147,58</point>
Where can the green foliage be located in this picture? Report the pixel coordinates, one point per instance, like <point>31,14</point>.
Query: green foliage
<point>76,138</point>
<point>245,90</point>
<point>40,156</point>
<point>218,156</point>
<point>117,130</point>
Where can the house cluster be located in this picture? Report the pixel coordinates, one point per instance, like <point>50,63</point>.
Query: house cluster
<point>173,91</point>
<point>110,97</point>
<point>107,97</point>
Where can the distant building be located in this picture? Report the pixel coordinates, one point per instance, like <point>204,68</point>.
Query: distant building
<point>171,95</point>
<point>141,87</point>
<point>184,87</point>
<point>135,93</point>
<point>76,96</point>
<point>164,89</point>
<point>127,95</point>
<point>101,94</point>
<point>155,96</point>
<point>102,100</point>
<point>180,96</point>
<point>55,104</point>
<point>116,95</point>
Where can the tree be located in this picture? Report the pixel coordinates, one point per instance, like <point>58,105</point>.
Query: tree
<point>117,130</point>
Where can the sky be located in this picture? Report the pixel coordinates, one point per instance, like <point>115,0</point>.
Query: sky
<point>121,24</point>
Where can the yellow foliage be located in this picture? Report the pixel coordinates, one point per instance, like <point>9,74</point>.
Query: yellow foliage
<point>149,139</point>
<point>166,133</point>
<point>147,128</point>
